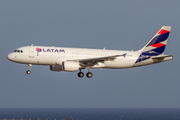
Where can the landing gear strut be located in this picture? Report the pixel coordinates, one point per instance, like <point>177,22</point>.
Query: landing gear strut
<point>29,67</point>
<point>89,74</point>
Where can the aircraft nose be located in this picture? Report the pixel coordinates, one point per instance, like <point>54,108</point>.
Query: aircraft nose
<point>10,57</point>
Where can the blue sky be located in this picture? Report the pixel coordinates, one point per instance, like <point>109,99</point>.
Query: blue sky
<point>118,25</point>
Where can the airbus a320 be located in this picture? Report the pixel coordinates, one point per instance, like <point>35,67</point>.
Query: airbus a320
<point>76,59</point>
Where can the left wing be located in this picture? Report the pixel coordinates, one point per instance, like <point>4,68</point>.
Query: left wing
<point>93,61</point>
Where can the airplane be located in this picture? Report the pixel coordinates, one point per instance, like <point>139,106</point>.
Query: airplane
<point>76,59</point>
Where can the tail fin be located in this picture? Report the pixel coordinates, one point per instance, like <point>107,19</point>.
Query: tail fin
<point>157,44</point>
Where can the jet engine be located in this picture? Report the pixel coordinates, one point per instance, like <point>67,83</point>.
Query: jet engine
<point>71,66</point>
<point>56,68</point>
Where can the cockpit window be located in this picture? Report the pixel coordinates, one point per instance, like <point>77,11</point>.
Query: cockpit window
<point>19,51</point>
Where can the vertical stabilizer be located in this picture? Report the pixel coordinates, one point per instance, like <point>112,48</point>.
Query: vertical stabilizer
<point>156,45</point>
<point>158,42</point>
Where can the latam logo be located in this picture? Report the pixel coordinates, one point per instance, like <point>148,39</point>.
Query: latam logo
<point>38,49</point>
<point>49,50</point>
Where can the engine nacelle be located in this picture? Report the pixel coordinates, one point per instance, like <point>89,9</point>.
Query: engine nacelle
<point>56,68</point>
<point>71,66</point>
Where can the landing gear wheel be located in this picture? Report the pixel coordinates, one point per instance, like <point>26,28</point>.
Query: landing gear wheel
<point>28,72</point>
<point>80,74</point>
<point>89,74</point>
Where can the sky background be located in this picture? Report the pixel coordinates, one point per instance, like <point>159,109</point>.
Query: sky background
<point>114,24</point>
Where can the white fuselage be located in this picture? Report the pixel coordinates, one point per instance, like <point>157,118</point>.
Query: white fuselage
<point>56,55</point>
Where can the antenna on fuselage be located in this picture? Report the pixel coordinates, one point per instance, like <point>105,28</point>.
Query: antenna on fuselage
<point>32,45</point>
<point>104,48</point>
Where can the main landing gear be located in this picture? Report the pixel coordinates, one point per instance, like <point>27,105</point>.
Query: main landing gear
<point>29,67</point>
<point>81,74</point>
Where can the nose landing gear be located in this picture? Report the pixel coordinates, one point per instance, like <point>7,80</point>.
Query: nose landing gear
<point>29,67</point>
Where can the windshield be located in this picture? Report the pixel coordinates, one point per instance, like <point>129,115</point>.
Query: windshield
<point>19,51</point>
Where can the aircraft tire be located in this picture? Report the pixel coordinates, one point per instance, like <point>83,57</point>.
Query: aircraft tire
<point>80,74</point>
<point>28,72</point>
<point>89,74</point>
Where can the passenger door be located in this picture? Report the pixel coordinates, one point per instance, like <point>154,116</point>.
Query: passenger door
<point>31,52</point>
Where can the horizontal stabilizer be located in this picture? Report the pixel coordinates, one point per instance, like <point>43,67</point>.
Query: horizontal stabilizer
<point>163,56</point>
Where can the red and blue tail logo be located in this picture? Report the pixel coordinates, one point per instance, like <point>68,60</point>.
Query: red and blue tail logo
<point>156,45</point>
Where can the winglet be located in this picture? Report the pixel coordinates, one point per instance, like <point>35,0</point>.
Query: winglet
<point>124,55</point>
